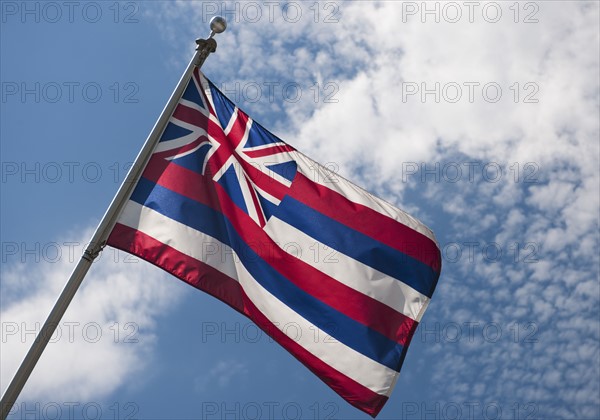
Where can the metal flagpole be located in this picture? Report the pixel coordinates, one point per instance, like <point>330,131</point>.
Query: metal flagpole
<point>98,241</point>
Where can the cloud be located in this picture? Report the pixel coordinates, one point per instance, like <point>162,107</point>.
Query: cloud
<point>221,375</point>
<point>106,334</point>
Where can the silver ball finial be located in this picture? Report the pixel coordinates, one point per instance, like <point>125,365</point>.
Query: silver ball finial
<point>217,25</point>
<point>209,45</point>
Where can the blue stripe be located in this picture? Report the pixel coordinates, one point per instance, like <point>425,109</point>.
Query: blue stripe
<point>357,245</point>
<point>355,335</point>
<point>179,208</point>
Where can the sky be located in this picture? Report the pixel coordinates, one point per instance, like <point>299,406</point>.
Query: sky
<point>481,119</point>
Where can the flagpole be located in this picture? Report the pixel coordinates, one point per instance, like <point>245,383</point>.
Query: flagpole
<point>98,241</point>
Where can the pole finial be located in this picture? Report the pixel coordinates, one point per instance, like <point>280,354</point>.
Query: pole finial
<point>217,25</point>
<point>206,46</point>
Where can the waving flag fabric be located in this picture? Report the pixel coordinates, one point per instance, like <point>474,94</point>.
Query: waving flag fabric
<point>231,209</point>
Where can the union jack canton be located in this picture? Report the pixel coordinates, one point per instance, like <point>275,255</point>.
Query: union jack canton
<point>252,165</point>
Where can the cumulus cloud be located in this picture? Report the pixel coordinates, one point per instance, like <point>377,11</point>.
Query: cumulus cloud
<point>106,335</point>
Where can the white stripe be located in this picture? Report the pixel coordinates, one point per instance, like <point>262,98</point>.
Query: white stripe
<point>349,362</point>
<point>265,146</point>
<point>347,270</point>
<point>371,374</point>
<point>320,175</point>
<point>184,239</point>
<point>180,155</point>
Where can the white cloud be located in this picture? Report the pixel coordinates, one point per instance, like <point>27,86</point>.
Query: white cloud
<point>221,375</point>
<point>106,334</point>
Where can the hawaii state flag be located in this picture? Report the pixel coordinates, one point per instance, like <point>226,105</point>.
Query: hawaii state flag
<point>231,209</point>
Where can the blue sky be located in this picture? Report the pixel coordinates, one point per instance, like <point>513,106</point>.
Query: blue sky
<point>481,121</point>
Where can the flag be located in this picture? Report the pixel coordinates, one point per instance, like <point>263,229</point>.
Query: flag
<point>234,211</point>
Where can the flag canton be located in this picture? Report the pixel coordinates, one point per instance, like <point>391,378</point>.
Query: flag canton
<point>211,136</point>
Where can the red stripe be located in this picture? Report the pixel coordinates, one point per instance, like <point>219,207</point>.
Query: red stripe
<point>356,394</point>
<point>190,115</point>
<point>366,220</point>
<point>199,188</point>
<point>354,304</point>
<point>196,273</point>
